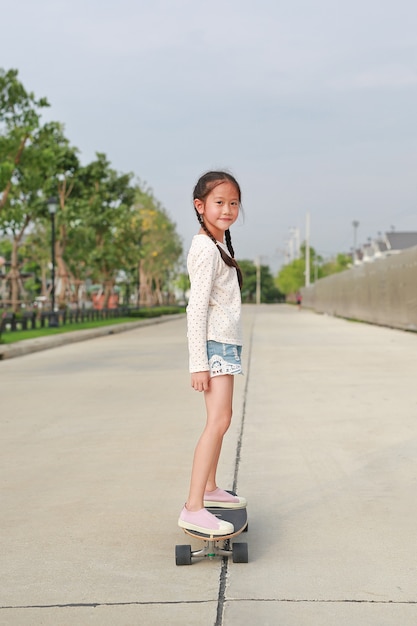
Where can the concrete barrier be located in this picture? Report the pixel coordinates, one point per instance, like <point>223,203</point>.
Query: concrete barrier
<point>383,292</point>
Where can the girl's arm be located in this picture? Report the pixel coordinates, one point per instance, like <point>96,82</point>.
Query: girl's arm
<point>202,264</point>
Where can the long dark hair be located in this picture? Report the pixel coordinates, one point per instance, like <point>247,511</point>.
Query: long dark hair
<point>203,188</point>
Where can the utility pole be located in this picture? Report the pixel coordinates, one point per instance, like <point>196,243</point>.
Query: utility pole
<point>294,243</point>
<point>258,280</point>
<point>297,243</point>
<point>307,257</point>
<point>291,249</point>
<point>355,225</point>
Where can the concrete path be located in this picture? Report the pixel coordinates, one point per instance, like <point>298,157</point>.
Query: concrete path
<point>96,446</point>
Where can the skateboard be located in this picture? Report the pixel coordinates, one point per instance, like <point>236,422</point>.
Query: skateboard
<point>217,545</point>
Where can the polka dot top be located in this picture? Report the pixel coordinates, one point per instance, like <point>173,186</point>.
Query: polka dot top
<point>214,306</point>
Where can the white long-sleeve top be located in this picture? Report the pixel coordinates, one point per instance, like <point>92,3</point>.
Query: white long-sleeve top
<point>214,306</point>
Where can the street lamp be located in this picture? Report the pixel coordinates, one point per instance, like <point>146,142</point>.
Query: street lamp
<point>307,250</point>
<point>355,225</point>
<point>258,280</point>
<point>52,208</point>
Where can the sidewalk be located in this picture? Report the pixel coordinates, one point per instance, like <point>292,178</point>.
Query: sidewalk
<point>96,447</point>
<point>28,346</point>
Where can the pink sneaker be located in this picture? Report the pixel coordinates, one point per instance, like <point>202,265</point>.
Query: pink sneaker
<point>203,521</point>
<point>223,499</point>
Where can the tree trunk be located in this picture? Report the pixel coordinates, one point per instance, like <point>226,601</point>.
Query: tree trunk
<point>79,291</point>
<point>63,291</point>
<point>137,287</point>
<point>158,298</point>
<point>44,288</point>
<point>108,289</point>
<point>14,274</point>
<point>145,287</point>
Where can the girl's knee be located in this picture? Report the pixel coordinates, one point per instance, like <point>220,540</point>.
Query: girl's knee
<point>222,423</point>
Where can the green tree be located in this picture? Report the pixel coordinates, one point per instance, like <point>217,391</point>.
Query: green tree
<point>104,200</point>
<point>161,249</point>
<point>269,291</point>
<point>338,264</point>
<point>291,277</point>
<point>19,119</point>
<point>36,257</point>
<point>63,169</point>
<point>182,283</point>
<point>25,200</point>
<point>106,226</point>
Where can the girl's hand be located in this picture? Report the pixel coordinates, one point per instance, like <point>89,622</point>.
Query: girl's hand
<point>200,381</point>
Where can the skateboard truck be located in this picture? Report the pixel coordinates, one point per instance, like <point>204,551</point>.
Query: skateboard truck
<point>238,551</point>
<point>221,545</point>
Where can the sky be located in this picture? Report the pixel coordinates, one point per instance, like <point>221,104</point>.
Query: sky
<point>311,104</point>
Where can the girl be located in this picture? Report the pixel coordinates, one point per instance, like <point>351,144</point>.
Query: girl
<point>214,342</point>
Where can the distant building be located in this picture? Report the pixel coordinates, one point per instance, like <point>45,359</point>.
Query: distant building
<point>391,243</point>
<point>400,241</point>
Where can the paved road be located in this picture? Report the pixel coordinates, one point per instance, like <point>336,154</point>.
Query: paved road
<point>96,446</point>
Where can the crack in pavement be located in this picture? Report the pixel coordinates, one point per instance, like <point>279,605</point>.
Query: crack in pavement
<point>225,563</point>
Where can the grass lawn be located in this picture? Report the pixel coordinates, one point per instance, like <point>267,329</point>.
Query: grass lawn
<point>19,335</point>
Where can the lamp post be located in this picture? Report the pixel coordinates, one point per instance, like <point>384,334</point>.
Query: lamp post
<point>307,251</point>
<point>355,225</point>
<point>52,208</point>
<point>258,280</point>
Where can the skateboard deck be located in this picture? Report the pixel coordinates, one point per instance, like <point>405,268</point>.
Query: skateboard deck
<point>239,551</point>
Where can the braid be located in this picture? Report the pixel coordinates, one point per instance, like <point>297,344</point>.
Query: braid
<point>204,227</point>
<point>229,243</point>
<point>232,254</point>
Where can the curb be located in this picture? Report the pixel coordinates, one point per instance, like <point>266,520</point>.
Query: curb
<point>28,346</point>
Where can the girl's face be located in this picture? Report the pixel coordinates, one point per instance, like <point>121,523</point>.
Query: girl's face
<point>220,209</point>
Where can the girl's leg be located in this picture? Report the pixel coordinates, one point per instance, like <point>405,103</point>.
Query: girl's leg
<point>211,484</point>
<point>218,401</point>
<point>211,480</point>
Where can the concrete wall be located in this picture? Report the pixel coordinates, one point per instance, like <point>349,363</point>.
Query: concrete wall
<point>383,292</point>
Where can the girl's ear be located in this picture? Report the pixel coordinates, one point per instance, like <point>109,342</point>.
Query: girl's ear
<point>199,205</point>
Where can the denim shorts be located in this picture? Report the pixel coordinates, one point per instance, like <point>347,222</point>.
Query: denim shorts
<point>224,358</point>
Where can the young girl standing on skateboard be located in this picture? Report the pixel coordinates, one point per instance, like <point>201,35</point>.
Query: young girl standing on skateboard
<point>214,342</point>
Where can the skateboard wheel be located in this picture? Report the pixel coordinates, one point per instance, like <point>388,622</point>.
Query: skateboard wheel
<point>240,553</point>
<point>183,555</point>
